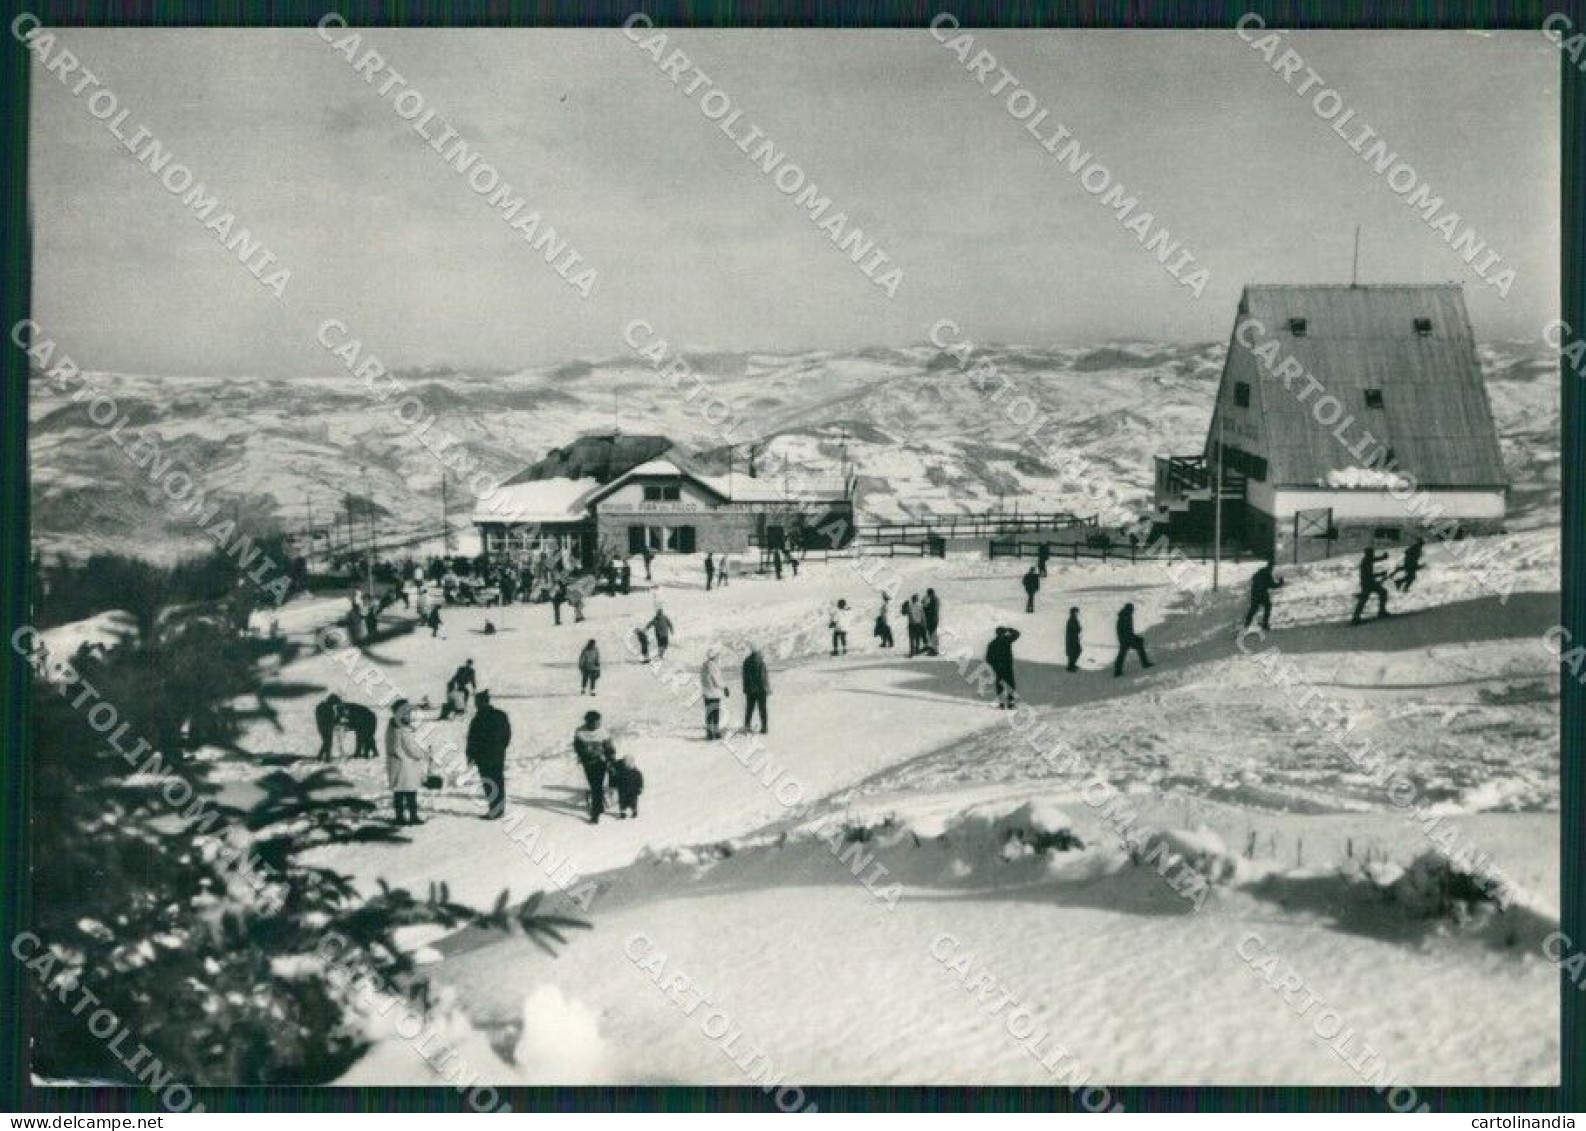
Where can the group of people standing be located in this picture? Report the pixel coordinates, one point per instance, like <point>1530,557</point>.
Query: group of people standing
<point>713,689</point>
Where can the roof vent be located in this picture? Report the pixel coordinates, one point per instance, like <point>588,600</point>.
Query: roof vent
<point>1423,327</point>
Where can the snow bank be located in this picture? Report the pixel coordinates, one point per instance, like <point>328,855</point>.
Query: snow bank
<point>1364,478</point>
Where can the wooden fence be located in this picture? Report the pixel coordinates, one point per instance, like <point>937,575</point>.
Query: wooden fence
<point>970,526</point>
<point>1148,551</point>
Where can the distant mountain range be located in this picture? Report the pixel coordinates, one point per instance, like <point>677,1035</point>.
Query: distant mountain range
<point>922,435</point>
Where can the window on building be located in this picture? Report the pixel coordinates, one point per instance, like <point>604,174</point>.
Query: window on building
<point>1242,394</point>
<point>1386,534</point>
<point>1423,327</point>
<point>1373,398</point>
<point>662,492</point>
<point>1297,327</point>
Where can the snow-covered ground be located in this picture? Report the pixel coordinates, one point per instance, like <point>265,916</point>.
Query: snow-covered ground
<point>862,927</point>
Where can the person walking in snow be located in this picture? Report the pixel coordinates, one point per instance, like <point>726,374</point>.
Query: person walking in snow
<point>558,598</point>
<point>883,628</point>
<point>465,677</point>
<point>588,668</point>
<point>1071,639</point>
<point>1409,568</point>
<point>644,643</point>
<point>1262,583</point>
<point>628,781</point>
<point>595,752</point>
<point>625,576</point>
<point>721,573</point>
<point>999,658</point>
<point>933,620</point>
<point>1032,586</point>
<point>1043,554</point>
<point>756,689</point>
<point>405,759</point>
<point>648,556</point>
<point>1128,640</point>
<point>914,617</point>
<point>435,621</point>
<point>713,688</point>
<point>840,623</point>
<point>662,624</point>
<point>489,735</point>
<point>1370,585</point>
<point>363,723</point>
<point>710,572</point>
<point>575,599</point>
<point>327,713</point>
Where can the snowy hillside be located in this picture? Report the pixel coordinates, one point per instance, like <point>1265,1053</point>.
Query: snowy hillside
<point>922,435</point>
<point>926,830</point>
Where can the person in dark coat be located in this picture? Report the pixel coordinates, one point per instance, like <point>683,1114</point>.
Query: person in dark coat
<point>489,735</point>
<point>626,576</point>
<point>465,677</point>
<point>1071,637</point>
<point>435,622</point>
<point>999,658</point>
<point>362,722</point>
<point>326,713</point>
<point>628,780</point>
<point>776,563</point>
<point>1370,585</point>
<point>1032,585</point>
<point>662,624</point>
<point>1262,583</point>
<point>644,643</point>
<point>710,572</point>
<point>1043,554</point>
<point>648,555</point>
<point>883,629</point>
<point>1410,568</point>
<point>595,751</point>
<point>933,621</point>
<point>756,688</point>
<point>1128,640</point>
<point>558,595</point>
<point>588,668</point>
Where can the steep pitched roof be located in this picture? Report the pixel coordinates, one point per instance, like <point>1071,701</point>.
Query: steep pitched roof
<point>1434,412</point>
<point>598,456</point>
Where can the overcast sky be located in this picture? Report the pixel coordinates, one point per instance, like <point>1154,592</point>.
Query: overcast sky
<point>988,229</point>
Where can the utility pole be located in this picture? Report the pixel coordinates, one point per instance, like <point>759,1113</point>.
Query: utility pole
<point>368,560</point>
<point>446,516</point>
<point>1217,504</point>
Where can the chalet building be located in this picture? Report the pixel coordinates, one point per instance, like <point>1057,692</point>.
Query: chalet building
<point>1345,414</point>
<point>661,504</point>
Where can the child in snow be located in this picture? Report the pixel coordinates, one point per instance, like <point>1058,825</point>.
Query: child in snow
<point>629,780</point>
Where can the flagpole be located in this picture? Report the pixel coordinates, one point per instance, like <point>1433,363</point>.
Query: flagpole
<point>1217,504</point>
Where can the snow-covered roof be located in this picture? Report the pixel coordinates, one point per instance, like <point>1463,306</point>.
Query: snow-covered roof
<point>774,489</point>
<point>538,500</point>
<point>658,466</point>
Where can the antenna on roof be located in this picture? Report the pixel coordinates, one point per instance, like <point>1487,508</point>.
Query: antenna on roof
<point>1354,269</point>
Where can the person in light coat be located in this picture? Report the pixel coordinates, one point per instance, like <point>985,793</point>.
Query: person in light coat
<point>713,687</point>
<point>405,760</point>
<point>841,622</point>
